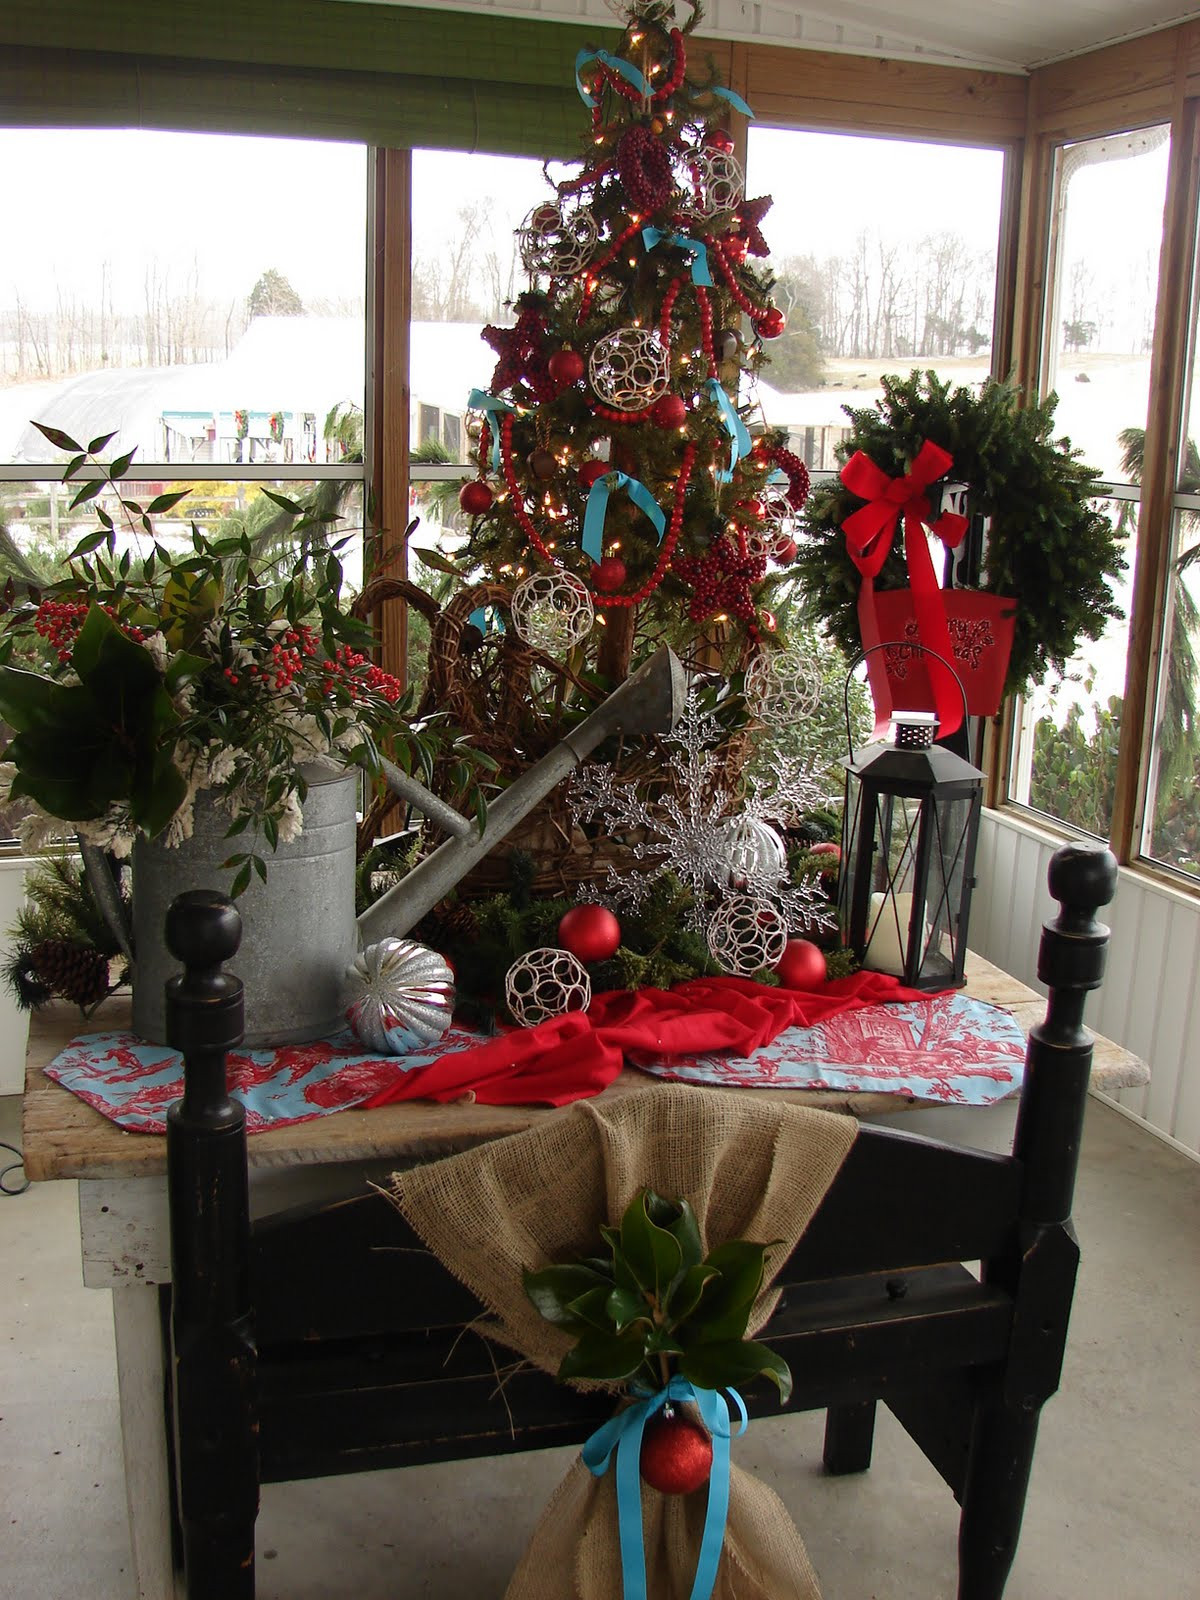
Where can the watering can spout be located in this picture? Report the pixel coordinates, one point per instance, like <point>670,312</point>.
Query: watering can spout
<point>650,701</point>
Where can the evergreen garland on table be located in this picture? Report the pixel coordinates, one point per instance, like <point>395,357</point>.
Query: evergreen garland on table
<point>1047,546</point>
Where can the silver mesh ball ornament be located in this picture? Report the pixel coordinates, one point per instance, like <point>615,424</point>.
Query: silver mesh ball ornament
<point>746,934</point>
<point>557,244</point>
<point>400,996</point>
<point>629,369</point>
<point>755,852</point>
<point>782,686</point>
<point>552,611</point>
<point>717,182</point>
<point>546,983</point>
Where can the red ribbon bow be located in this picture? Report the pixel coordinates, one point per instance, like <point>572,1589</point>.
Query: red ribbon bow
<point>870,532</point>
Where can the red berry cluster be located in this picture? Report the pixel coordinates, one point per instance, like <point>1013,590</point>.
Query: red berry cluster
<point>59,623</point>
<point>357,672</point>
<point>721,579</point>
<point>644,167</point>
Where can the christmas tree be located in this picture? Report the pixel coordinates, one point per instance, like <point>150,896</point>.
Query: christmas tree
<point>620,492</point>
<point>622,501</point>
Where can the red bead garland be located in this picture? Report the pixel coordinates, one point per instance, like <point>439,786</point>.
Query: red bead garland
<point>668,307</point>
<point>527,525</point>
<point>706,329</point>
<point>757,314</point>
<point>610,415</point>
<point>678,68</point>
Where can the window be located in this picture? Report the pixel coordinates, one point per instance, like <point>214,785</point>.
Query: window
<point>1171,824</point>
<point>1098,339</point>
<point>872,284</point>
<point>210,310</point>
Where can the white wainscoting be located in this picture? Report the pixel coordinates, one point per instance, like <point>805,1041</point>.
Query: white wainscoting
<point>14,1023</point>
<point>1148,1000</point>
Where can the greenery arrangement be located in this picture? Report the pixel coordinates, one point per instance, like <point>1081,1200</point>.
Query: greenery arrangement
<point>176,671</point>
<point>654,1304</point>
<point>60,945</point>
<point>1047,546</point>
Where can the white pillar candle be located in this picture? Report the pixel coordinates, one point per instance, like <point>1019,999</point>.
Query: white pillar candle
<point>888,943</point>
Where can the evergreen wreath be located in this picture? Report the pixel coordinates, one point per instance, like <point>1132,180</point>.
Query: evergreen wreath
<point>1046,545</point>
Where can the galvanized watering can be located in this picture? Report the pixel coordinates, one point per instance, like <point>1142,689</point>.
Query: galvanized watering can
<point>299,929</point>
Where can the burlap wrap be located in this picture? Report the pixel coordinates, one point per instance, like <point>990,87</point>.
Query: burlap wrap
<point>752,1169</point>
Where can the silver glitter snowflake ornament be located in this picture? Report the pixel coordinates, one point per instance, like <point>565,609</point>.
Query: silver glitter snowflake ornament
<point>688,827</point>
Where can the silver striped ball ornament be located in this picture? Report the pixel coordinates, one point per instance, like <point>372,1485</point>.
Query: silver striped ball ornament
<point>400,996</point>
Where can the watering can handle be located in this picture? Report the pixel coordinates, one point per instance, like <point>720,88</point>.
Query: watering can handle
<point>98,871</point>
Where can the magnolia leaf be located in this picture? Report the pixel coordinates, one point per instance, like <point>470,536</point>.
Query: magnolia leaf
<point>608,1358</point>
<point>728,1363</point>
<point>553,1289</point>
<point>728,1298</point>
<point>653,1255</point>
<point>591,1309</point>
<point>625,1307</point>
<point>686,1292</point>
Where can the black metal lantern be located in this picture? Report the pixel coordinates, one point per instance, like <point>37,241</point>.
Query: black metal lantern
<point>908,855</point>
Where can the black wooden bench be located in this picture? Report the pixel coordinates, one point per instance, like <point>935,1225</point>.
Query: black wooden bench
<point>273,1381</point>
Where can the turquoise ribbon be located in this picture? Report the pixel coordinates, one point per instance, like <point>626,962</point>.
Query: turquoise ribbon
<point>778,475</point>
<point>695,247</point>
<point>739,434</point>
<point>618,64</point>
<point>597,510</point>
<point>735,100</point>
<point>486,620</point>
<point>623,1433</point>
<point>480,400</point>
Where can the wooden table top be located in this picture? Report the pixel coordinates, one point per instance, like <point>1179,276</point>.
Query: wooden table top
<point>64,1137</point>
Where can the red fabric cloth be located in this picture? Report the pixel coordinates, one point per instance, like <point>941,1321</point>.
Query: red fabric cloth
<point>578,1055</point>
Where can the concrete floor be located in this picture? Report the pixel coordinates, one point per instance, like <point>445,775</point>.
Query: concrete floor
<point>1113,1510</point>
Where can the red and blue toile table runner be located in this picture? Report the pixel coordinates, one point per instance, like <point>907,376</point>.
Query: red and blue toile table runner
<point>865,1033</point>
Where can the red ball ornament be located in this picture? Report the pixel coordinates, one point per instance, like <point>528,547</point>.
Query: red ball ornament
<point>543,464</point>
<point>719,139</point>
<point>785,551</point>
<point>802,965</point>
<point>772,323</point>
<point>590,932</point>
<point>590,471</point>
<point>670,411</point>
<point>676,1454</point>
<point>609,574</point>
<point>475,497</point>
<point>565,367</point>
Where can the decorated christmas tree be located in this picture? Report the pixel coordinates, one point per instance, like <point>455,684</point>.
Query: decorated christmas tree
<point>620,490</point>
<point>625,497</point>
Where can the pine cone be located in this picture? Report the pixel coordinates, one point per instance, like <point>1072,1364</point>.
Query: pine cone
<point>77,972</point>
<point>448,925</point>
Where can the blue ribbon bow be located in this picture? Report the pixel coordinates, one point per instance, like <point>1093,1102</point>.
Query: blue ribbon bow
<point>695,247</point>
<point>739,434</point>
<point>597,510</point>
<point>618,64</point>
<point>623,1433</point>
<point>480,400</point>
